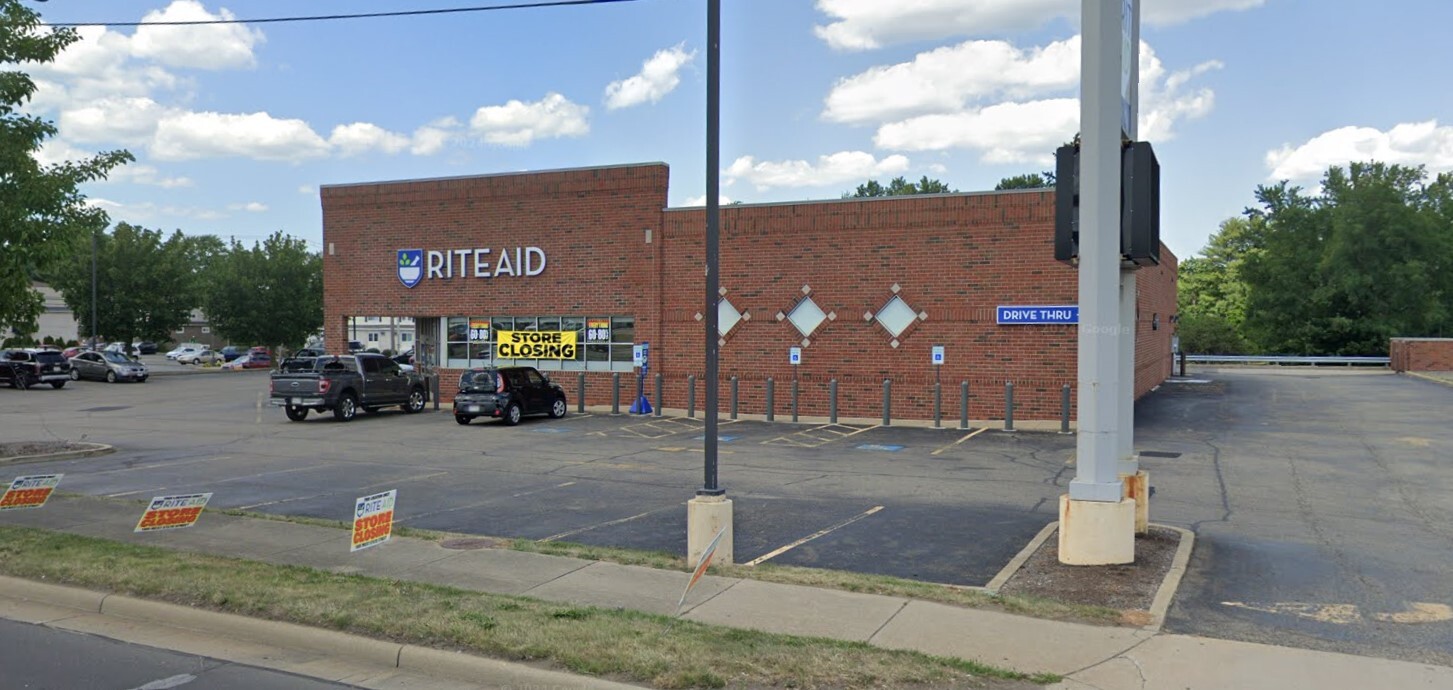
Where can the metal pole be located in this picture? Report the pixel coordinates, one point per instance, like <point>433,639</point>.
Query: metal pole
<point>691,396</point>
<point>937,405</point>
<point>734,397</point>
<point>580,397</point>
<point>615,393</point>
<point>887,398</point>
<point>964,405</point>
<point>771,385</point>
<point>1064,409</point>
<point>93,288</point>
<point>658,394</point>
<point>794,399</point>
<point>1008,405</point>
<point>710,486</point>
<point>832,401</point>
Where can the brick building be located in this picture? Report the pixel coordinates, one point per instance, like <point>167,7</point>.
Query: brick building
<point>865,288</point>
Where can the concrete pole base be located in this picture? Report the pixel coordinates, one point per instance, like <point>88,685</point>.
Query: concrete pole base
<point>1096,532</point>
<point>705,516</point>
<point>1137,486</point>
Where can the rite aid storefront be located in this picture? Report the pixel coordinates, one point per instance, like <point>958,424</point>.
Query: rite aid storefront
<point>567,270</point>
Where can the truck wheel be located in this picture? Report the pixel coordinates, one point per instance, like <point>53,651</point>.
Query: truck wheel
<point>296,413</point>
<point>462,419</point>
<point>347,407</point>
<point>110,377</point>
<point>557,408</point>
<point>57,384</point>
<point>416,401</point>
<point>512,414</point>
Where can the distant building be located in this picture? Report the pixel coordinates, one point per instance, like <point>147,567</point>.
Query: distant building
<point>199,330</point>
<point>56,321</point>
<point>382,332</point>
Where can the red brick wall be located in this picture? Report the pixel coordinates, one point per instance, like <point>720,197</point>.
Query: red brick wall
<point>954,257</point>
<point>1421,354</point>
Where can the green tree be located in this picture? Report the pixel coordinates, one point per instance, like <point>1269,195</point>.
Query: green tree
<point>41,211</point>
<point>1212,295</point>
<point>146,287</point>
<point>270,294</point>
<point>1028,181</point>
<point>899,186</point>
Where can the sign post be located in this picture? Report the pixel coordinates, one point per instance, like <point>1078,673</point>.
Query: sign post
<point>641,357</point>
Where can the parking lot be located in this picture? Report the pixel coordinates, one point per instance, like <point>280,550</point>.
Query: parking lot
<point>1320,499</point>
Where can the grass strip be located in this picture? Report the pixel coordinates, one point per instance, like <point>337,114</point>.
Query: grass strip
<point>618,644</point>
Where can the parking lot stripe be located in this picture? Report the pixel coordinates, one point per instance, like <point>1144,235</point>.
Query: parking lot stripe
<point>804,540</point>
<point>832,429</point>
<point>571,533</point>
<point>971,434</point>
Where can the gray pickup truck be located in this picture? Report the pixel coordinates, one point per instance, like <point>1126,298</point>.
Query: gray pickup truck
<point>345,384</point>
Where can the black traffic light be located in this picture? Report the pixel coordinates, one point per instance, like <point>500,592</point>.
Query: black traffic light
<point>1139,204</point>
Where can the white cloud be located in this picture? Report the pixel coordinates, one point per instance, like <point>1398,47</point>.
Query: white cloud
<point>152,212</point>
<point>945,79</point>
<point>307,189</point>
<point>1409,143</point>
<point>433,137</point>
<point>211,46</point>
<point>721,199</point>
<point>1025,132</point>
<point>658,77</point>
<point>869,24</point>
<point>837,168</point>
<point>147,175</point>
<point>250,207</point>
<point>362,137</point>
<point>217,135</point>
<point>517,123</point>
<point>128,120</point>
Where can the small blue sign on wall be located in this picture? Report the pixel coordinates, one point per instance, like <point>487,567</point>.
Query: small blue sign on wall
<point>1039,314</point>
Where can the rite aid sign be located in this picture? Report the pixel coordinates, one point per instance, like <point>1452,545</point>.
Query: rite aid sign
<point>416,265</point>
<point>1039,314</point>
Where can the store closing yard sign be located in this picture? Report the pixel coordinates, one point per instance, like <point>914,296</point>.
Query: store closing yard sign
<point>172,512</point>
<point>29,492</point>
<point>373,519</point>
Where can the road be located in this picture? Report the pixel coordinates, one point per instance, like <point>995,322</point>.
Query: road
<point>1321,499</point>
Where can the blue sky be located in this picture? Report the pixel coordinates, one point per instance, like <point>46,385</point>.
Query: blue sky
<point>235,127</point>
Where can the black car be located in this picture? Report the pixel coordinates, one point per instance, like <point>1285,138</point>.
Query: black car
<point>146,348</point>
<point>16,375</point>
<point>507,393</point>
<point>231,352</point>
<point>41,366</point>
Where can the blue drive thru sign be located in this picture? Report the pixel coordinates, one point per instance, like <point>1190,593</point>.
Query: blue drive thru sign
<point>1039,314</point>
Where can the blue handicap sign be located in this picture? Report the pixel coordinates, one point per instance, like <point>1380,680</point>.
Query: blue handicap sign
<point>723,439</point>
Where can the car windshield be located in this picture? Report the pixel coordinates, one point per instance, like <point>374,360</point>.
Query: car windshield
<point>479,381</point>
<point>115,357</point>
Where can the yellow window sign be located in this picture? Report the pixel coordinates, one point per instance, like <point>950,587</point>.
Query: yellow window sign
<point>536,345</point>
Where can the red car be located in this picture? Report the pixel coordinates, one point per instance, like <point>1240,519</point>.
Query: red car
<point>258,360</point>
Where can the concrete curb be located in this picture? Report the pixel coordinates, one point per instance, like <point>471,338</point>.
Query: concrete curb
<point>1020,558</point>
<point>289,635</point>
<point>1160,605</point>
<point>95,449</point>
<point>1435,379</point>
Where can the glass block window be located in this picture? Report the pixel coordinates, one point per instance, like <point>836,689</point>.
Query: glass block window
<point>806,316</point>
<point>727,317</point>
<point>896,316</point>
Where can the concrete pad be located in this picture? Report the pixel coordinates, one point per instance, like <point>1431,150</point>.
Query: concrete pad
<point>249,538</point>
<point>63,512</point>
<point>797,610</point>
<point>630,587</point>
<point>35,612</point>
<point>387,559</point>
<point>1031,645</point>
<point>1179,662</point>
<point>491,570</point>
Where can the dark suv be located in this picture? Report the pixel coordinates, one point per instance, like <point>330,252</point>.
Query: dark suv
<point>507,393</point>
<point>31,366</point>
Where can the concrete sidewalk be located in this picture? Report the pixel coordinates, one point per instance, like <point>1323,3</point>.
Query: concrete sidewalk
<point>1089,656</point>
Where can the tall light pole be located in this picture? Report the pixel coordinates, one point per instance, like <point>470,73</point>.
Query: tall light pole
<point>94,232</point>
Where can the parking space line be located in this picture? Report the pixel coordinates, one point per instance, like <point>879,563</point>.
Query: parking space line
<point>970,435</point>
<point>571,533</point>
<point>781,550</point>
<point>380,485</point>
<point>832,431</point>
<point>485,502</point>
<point>155,465</point>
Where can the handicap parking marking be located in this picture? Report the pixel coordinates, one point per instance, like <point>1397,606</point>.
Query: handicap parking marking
<point>820,533</point>
<point>879,447</point>
<point>966,437</point>
<point>818,435</point>
<point>549,430</point>
<point>721,438</point>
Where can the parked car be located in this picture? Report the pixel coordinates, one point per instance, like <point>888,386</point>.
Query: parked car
<point>72,351</point>
<point>16,375</point>
<point>107,366</point>
<point>188,347</point>
<point>231,352</point>
<point>203,357</point>
<point>308,352</point>
<point>41,365</point>
<point>508,393</point>
<point>355,346</point>
<point>258,350</point>
<point>345,384</point>
<point>145,347</point>
<point>251,360</point>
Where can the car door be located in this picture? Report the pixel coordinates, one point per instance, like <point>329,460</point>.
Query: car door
<point>398,384</point>
<point>539,391</point>
<point>91,367</point>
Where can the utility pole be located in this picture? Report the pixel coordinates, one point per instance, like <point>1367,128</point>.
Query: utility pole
<point>94,232</point>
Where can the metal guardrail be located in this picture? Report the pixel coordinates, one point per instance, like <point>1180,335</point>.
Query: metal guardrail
<point>1288,359</point>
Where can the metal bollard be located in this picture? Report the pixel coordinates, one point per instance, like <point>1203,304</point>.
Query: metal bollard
<point>771,385</point>
<point>964,405</point>
<point>1064,411</point>
<point>434,390</point>
<point>832,401</point>
<point>1008,406</point>
<point>937,405</point>
<point>580,394</point>
<point>658,394</point>
<point>734,397</point>
<point>1183,364</point>
<point>887,398</point>
<point>794,401</point>
<point>615,393</point>
<point>691,396</point>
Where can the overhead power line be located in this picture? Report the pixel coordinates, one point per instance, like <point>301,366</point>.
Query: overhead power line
<point>327,17</point>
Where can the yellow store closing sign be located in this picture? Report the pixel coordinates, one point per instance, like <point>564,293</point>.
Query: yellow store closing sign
<point>535,345</point>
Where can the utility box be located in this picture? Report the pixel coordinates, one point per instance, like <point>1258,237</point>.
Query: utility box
<point>1139,204</point>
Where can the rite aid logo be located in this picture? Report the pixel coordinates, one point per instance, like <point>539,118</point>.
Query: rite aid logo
<point>411,266</point>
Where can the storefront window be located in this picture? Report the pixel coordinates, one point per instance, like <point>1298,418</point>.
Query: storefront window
<point>604,342</point>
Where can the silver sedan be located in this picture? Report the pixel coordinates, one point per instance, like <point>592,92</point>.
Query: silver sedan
<point>107,366</point>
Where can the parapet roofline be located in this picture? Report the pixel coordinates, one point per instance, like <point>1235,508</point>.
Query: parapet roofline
<point>858,200</point>
<point>517,173</point>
